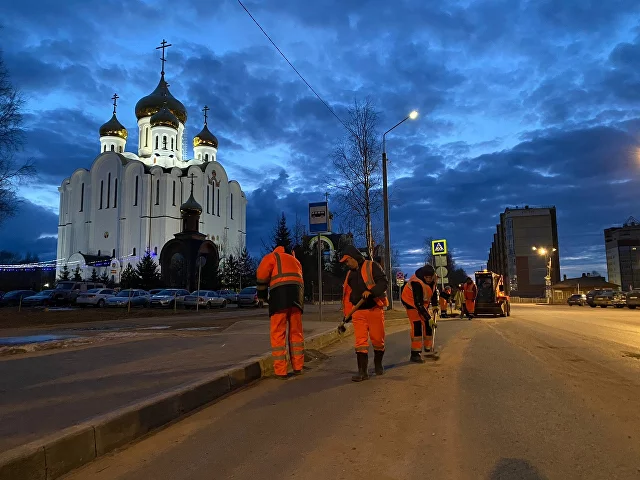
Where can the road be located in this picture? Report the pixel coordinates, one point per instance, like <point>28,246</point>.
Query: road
<point>548,393</point>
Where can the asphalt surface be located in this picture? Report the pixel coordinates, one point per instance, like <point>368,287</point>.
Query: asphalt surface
<point>111,365</point>
<point>548,393</point>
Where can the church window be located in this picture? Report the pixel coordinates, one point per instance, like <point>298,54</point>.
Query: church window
<point>101,192</point>
<point>199,156</point>
<point>135,196</point>
<point>174,193</point>
<point>113,253</point>
<point>231,206</point>
<point>172,144</point>
<point>98,252</point>
<point>157,140</point>
<point>134,251</point>
<point>108,190</point>
<point>146,136</point>
<point>206,157</point>
<point>207,198</point>
<point>120,149</point>
<point>213,201</point>
<point>115,193</point>
<point>155,250</point>
<point>157,192</point>
<point>218,200</point>
<point>113,147</point>
<point>164,142</point>
<point>82,197</point>
<point>104,149</point>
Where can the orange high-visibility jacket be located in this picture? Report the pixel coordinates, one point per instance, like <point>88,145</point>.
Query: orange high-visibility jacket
<point>408,295</point>
<point>470,291</point>
<point>279,276</point>
<point>366,270</point>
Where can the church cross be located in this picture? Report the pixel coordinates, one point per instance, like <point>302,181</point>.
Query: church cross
<point>163,45</point>
<point>326,196</point>
<point>115,102</point>
<point>192,176</point>
<point>205,110</point>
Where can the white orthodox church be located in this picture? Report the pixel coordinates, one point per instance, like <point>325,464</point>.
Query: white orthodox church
<point>129,203</point>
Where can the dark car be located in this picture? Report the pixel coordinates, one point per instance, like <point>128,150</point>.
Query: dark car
<point>12,299</point>
<point>40,299</point>
<point>633,299</point>
<point>577,299</point>
<point>609,298</point>
<point>593,293</point>
<point>248,296</point>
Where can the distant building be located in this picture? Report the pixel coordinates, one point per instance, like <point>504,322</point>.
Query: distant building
<point>580,285</point>
<point>623,254</point>
<point>512,254</point>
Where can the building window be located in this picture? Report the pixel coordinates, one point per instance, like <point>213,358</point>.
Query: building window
<point>134,251</point>
<point>164,142</point>
<point>98,252</point>
<point>115,193</point>
<point>174,193</point>
<point>155,250</point>
<point>113,147</point>
<point>172,144</point>
<point>231,205</point>
<point>206,157</point>
<point>120,149</point>
<point>146,136</point>
<point>207,198</point>
<point>157,140</point>
<point>213,203</point>
<point>101,192</point>
<point>218,200</point>
<point>82,197</point>
<point>113,253</point>
<point>135,195</point>
<point>157,192</point>
<point>108,190</point>
<point>104,149</point>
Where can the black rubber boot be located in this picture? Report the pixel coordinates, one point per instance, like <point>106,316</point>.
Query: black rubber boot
<point>297,372</point>
<point>377,361</point>
<point>416,357</point>
<point>363,365</point>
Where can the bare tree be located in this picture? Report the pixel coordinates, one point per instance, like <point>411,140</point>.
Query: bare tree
<point>299,231</point>
<point>359,177</point>
<point>11,138</point>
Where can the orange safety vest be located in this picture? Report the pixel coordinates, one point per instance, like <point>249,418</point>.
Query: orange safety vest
<point>278,268</point>
<point>407,293</point>
<point>470,291</point>
<point>367,275</point>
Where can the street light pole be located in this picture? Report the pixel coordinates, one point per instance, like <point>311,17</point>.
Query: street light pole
<point>385,198</point>
<point>548,255</point>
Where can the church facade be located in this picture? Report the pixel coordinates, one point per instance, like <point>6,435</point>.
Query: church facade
<point>128,203</point>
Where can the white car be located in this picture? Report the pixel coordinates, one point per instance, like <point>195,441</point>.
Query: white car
<point>206,299</point>
<point>96,297</point>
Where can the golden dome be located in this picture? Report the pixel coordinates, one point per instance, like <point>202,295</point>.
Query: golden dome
<point>113,128</point>
<point>191,206</point>
<point>205,138</point>
<point>153,103</point>
<point>164,118</point>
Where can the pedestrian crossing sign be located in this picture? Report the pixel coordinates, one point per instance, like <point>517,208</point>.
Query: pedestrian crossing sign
<point>439,247</point>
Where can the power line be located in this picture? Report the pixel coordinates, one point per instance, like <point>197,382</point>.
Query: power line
<point>294,68</point>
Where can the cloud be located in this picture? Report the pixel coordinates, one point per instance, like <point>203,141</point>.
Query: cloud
<point>22,234</point>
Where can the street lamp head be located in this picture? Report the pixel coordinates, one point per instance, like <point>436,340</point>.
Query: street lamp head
<point>542,251</point>
<point>534,248</point>
<point>553,250</point>
<point>413,115</point>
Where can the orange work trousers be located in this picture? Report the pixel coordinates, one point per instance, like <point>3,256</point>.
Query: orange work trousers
<point>369,323</point>
<point>470,305</point>
<point>421,332</point>
<point>293,318</point>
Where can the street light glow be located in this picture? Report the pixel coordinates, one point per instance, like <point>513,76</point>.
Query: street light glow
<point>413,115</point>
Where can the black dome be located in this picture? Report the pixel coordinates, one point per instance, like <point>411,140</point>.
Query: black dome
<point>164,118</point>
<point>205,138</point>
<point>191,206</point>
<point>153,103</point>
<point>113,128</point>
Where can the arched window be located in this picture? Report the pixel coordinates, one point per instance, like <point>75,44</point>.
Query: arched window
<point>82,197</point>
<point>98,252</point>
<point>113,253</point>
<point>115,193</point>
<point>206,157</point>
<point>155,250</point>
<point>157,192</point>
<point>146,137</point>
<point>134,251</point>
<point>199,156</point>
<point>108,190</point>
<point>207,198</point>
<point>157,141</point>
<point>231,206</point>
<point>164,142</point>
<point>120,149</point>
<point>101,192</point>
<point>104,149</point>
<point>113,147</point>
<point>172,144</point>
<point>135,197</point>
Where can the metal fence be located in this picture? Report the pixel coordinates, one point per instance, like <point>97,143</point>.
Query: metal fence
<point>528,300</point>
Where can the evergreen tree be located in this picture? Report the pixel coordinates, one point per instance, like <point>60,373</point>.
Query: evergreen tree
<point>129,277</point>
<point>64,274</point>
<point>230,272</point>
<point>106,280</point>
<point>94,276</point>
<point>77,277</point>
<point>247,268</point>
<point>147,272</point>
<point>281,235</point>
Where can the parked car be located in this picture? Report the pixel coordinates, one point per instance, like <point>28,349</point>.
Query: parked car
<point>230,295</point>
<point>12,298</point>
<point>609,298</point>
<point>248,296</point>
<point>205,299</point>
<point>619,300</point>
<point>592,294</point>
<point>137,297</point>
<point>577,299</point>
<point>95,297</point>
<point>155,291</point>
<point>68,290</point>
<point>633,299</point>
<point>44,298</point>
<point>167,297</point>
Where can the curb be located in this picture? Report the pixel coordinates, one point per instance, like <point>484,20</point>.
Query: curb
<point>55,455</point>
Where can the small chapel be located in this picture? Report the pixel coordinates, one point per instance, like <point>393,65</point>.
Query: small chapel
<point>129,203</point>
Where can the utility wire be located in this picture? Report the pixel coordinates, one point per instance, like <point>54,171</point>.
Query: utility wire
<point>294,68</point>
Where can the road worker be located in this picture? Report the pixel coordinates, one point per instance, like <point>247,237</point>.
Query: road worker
<point>420,292</point>
<point>470,293</point>
<point>366,280</point>
<point>279,277</point>
<point>445,296</point>
<point>459,300</point>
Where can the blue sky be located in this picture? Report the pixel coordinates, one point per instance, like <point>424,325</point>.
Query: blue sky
<point>521,102</point>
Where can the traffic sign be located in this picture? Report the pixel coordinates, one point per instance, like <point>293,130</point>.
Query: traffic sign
<point>442,272</point>
<point>399,275</point>
<point>439,247</point>
<point>445,280</point>
<point>441,260</point>
<point>319,217</point>
<point>400,282</point>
